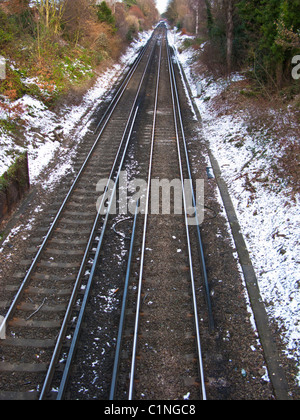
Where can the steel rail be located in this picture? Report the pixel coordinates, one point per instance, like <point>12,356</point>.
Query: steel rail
<point>135,337</point>
<point>78,280</point>
<point>53,226</point>
<point>200,243</point>
<point>123,310</point>
<point>196,319</point>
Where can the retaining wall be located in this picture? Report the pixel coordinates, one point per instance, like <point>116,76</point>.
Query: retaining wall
<point>13,185</point>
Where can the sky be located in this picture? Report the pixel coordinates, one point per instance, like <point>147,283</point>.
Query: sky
<point>162,5</point>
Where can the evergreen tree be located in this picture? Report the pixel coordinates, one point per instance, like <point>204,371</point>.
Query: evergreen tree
<point>273,33</point>
<point>105,14</point>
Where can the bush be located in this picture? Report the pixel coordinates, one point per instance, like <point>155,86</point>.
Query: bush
<point>6,32</point>
<point>13,172</point>
<point>105,14</point>
<point>272,30</point>
<point>12,87</point>
<point>133,27</point>
<point>5,37</point>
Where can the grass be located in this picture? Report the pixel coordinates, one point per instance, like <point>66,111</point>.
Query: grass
<point>46,78</point>
<point>53,64</point>
<point>9,126</point>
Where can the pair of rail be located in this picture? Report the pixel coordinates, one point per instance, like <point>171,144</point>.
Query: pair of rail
<point>178,128</point>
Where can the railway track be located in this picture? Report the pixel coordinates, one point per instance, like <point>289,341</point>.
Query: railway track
<point>161,329</point>
<point>48,310</point>
<point>110,305</point>
<point>164,337</point>
<point>54,277</point>
<point>156,134</point>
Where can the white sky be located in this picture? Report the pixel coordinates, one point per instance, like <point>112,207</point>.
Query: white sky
<point>162,5</point>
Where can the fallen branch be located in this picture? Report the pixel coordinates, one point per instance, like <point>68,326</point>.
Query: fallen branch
<point>34,313</point>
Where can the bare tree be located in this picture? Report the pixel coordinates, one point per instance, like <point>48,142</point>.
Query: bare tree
<point>229,8</point>
<point>76,18</point>
<point>51,13</point>
<point>194,5</point>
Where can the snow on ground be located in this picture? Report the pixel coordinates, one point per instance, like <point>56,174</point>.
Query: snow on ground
<point>44,127</point>
<point>269,220</point>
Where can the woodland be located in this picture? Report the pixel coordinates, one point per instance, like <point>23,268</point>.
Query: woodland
<point>263,34</point>
<point>61,42</point>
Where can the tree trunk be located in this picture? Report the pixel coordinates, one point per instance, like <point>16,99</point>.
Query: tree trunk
<point>194,6</point>
<point>279,74</point>
<point>47,12</point>
<point>230,34</point>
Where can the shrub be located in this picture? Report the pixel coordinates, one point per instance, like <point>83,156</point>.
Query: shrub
<point>133,25</point>
<point>6,32</point>
<point>105,14</point>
